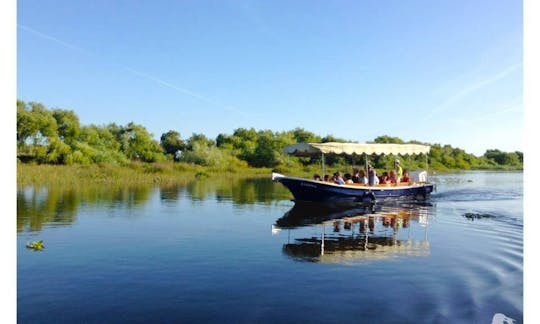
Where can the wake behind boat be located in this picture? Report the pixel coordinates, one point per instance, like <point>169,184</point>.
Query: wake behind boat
<point>307,190</point>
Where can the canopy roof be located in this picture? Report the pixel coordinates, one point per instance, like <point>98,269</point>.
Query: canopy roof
<point>310,149</point>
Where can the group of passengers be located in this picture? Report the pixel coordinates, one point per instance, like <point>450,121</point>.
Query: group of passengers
<point>395,176</point>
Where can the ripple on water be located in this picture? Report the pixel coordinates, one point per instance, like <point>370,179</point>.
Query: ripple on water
<point>477,194</point>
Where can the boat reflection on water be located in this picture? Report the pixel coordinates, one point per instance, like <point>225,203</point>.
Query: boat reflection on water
<point>353,235</point>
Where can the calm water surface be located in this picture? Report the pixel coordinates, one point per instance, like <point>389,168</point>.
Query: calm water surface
<point>241,252</point>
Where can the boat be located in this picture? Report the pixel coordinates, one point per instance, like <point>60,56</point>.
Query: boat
<point>419,189</point>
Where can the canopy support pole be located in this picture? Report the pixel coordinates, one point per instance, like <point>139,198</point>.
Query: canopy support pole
<point>427,164</point>
<point>366,166</point>
<point>322,161</point>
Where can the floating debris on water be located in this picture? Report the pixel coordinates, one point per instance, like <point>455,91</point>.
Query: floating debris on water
<point>474,216</point>
<point>36,245</point>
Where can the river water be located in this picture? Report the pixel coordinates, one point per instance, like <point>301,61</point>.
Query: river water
<point>240,251</point>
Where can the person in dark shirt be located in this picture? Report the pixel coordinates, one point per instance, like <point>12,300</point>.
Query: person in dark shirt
<point>338,179</point>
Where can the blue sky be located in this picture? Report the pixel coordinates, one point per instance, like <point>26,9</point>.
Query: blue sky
<point>447,72</point>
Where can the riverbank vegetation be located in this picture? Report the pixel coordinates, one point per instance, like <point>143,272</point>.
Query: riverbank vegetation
<point>132,174</point>
<point>53,144</point>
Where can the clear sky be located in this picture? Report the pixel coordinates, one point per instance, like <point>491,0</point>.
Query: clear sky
<point>447,72</point>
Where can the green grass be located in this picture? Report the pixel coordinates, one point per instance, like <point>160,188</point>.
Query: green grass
<point>134,174</point>
<point>160,173</point>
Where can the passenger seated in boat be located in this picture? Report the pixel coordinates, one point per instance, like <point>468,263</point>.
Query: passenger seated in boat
<point>362,177</point>
<point>348,178</point>
<point>372,176</point>
<point>338,179</point>
<point>406,177</point>
<point>392,178</point>
<point>316,177</point>
<point>355,176</point>
<point>327,178</point>
<point>383,179</point>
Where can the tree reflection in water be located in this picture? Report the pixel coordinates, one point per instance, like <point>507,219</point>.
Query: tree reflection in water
<point>238,190</point>
<point>37,206</point>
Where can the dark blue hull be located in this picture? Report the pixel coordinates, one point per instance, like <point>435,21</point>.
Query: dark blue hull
<point>318,191</point>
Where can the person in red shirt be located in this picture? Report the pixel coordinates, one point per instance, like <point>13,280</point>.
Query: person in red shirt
<point>406,177</point>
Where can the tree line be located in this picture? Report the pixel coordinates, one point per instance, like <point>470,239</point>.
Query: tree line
<point>55,136</point>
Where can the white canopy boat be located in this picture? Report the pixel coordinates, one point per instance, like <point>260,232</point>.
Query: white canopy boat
<point>309,190</point>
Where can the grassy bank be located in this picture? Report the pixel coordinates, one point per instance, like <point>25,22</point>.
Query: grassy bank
<point>134,174</point>
<point>165,173</point>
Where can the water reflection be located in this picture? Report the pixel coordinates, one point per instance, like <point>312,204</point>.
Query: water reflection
<point>306,214</point>
<point>238,190</point>
<point>170,193</point>
<point>355,235</point>
<point>37,206</point>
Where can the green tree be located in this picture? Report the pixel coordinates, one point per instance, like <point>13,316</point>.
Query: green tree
<point>56,136</point>
<point>172,142</point>
<point>242,142</point>
<point>27,123</point>
<point>224,141</point>
<point>303,136</point>
<point>388,139</point>
<point>459,159</point>
<point>265,153</point>
<point>36,128</point>
<point>99,145</point>
<point>46,123</point>
<point>504,158</point>
<point>201,139</point>
<point>203,154</point>
<point>245,142</point>
<point>68,125</point>
<point>331,138</point>
<point>57,152</point>
<point>99,137</point>
<point>137,143</point>
<point>269,149</point>
<point>35,122</point>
